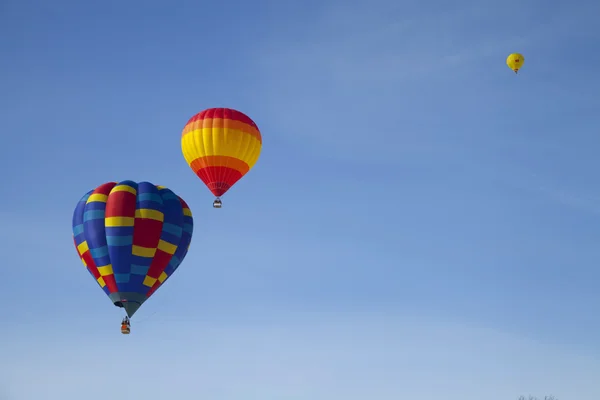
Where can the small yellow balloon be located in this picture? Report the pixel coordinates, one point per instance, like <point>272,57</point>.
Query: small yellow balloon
<point>515,61</point>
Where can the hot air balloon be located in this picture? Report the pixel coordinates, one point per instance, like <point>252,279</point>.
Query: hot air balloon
<point>220,145</point>
<point>131,237</point>
<point>515,61</point>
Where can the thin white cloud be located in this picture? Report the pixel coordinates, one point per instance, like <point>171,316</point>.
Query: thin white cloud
<point>316,357</point>
<point>582,199</point>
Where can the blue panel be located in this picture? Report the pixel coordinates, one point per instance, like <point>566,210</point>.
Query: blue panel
<point>175,230</point>
<point>93,214</point>
<point>155,197</point>
<point>78,229</point>
<point>121,278</point>
<point>100,252</point>
<point>113,241</point>
<point>139,269</point>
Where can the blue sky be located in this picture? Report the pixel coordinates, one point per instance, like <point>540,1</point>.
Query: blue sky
<point>422,223</point>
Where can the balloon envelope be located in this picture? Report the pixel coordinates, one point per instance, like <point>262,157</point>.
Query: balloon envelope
<point>515,61</point>
<point>221,145</point>
<point>131,237</point>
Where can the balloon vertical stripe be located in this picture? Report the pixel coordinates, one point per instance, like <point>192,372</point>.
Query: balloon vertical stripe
<point>121,207</point>
<point>184,224</point>
<point>94,216</point>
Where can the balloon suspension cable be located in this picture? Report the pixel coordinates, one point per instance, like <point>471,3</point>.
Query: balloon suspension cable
<point>146,318</point>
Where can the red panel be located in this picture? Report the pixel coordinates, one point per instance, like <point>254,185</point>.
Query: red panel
<point>224,113</point>
<point>105,188</point>
<point>153,289</point>
<point>121,204</point>
<point>89,261</point>
<point>146,232</point>
<point>219,179</point>
<point>111,284</point>
<point>159,263</point>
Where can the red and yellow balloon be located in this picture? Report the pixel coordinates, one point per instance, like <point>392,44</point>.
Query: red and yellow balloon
<point>221,145</point>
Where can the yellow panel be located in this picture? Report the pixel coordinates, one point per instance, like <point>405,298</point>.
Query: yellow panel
<point>187,212</point>
<point>101,282</point>
<point>167,247</point>
<point>142,251</point>
<point>105,270</point>
<point>148,281</point>
<point>99,197</point>
<point>221,142</point>
<point>124,188</point>
<point>83,247</point>
<point>119,221</point>
<point>149,214</point>
<point>162,277</point>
